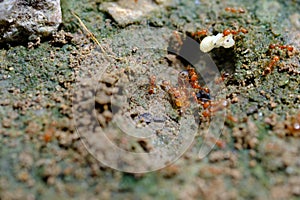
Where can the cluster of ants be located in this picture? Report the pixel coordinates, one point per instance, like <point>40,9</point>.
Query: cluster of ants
<point>275,59</point>
<point>226,32</point>
<point>181,96</point>
<point>188,90</point>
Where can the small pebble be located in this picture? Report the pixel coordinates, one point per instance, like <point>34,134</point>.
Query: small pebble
<point>252,163</point>
<point>159,119</point>
<point>145,117</point>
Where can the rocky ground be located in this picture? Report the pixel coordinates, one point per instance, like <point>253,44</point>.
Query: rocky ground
<point>49,147</point>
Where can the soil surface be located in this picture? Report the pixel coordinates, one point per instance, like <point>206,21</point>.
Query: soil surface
<point>65,100</point>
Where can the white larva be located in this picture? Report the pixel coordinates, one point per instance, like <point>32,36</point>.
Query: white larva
<point>218,40</point>
<point>207,44</point>
<point>215,41</point>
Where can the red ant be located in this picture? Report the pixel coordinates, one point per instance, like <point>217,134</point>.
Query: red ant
<point>231,118</point>
<point>213,107</point>
<point>152,87</point>
<point>234,10</point>
<point>183,79</point>
<point>200,33</point>
<point>287,47</point>
<point>193,78</point>
<point>270,66</point>
<point>234,32</point>
<point>220,143</point>
<point>178,96</point>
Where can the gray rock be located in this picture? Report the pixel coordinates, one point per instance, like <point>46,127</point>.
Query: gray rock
<point>20,19</point>
<point>126,12</point>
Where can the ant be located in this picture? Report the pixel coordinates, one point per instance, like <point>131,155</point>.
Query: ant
<point>287,47</point>
<point>213,107</point>
<point>178,96</point>
<point>199,33</point>
<point>235,10</point>
<point>234,32</point>
<point>271,65</point>
<point>152,86</point>
<point>183,79</point>
<point>193,78</point>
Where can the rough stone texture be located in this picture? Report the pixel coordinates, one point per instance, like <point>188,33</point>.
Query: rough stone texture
<point>126,12</point>
<point>20,19</point>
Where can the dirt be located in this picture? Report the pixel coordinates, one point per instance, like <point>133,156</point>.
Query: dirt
<point>60,96</point>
